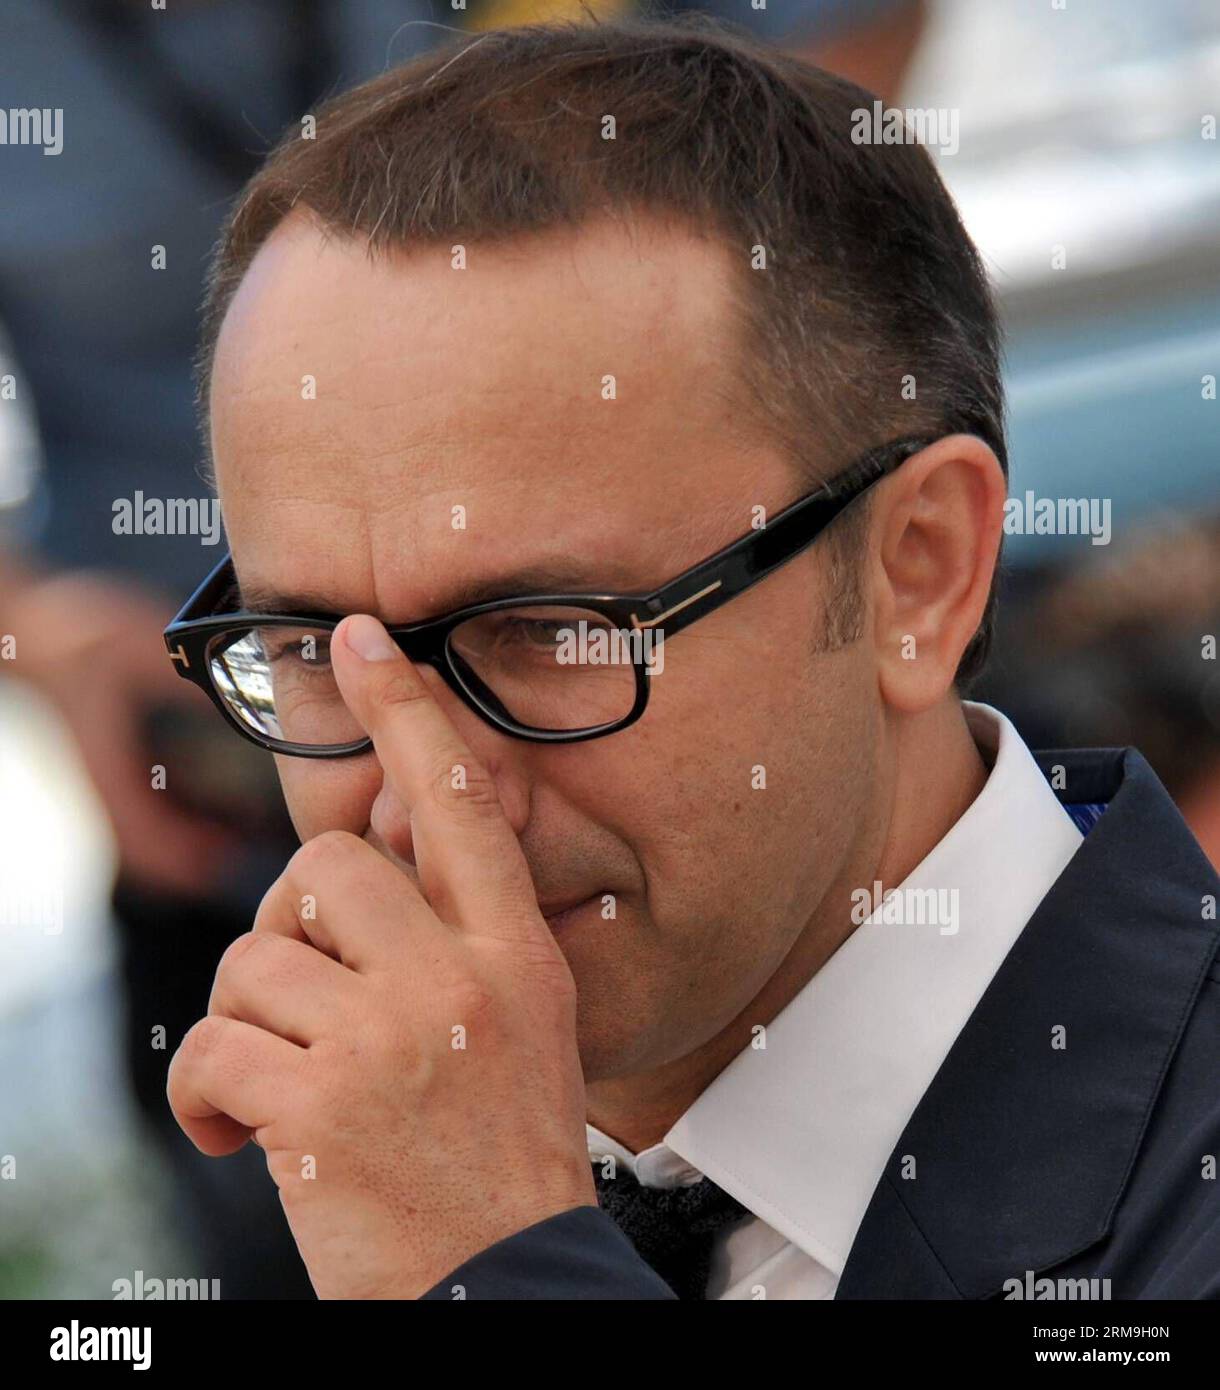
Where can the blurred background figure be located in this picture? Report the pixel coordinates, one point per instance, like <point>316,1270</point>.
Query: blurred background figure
<point>1088,177</point>
<point>1120,648</point>
<point>1085,173</point>
<point>103,248</point>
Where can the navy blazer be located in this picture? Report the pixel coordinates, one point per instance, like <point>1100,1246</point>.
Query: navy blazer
<point>1086,1162</point>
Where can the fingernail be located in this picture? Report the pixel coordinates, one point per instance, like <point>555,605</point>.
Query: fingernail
<point>368,639</point>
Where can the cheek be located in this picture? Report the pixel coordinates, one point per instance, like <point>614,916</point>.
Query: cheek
<point>676,786</point>
<point>333,794</point>
<point>739,789</point>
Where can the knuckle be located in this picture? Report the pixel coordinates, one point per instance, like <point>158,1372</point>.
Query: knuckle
<point>326,850</point>
<point>267,902</point>
<point>263,957</point>
<point>204,1041</point>
<point>464,788</point>
<point>237,950</point>
<point>560,988</point>
<point>402,689</point>
<point>218,1048</point>
<point>472,1000</point>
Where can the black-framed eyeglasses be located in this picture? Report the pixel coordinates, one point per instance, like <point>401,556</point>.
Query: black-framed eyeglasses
<point>548,668</point>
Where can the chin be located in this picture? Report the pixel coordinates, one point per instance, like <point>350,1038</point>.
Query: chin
<point>617,1033</point>
<point>605,1056</point>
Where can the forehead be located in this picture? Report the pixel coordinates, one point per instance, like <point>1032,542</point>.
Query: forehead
<point>386,429</point>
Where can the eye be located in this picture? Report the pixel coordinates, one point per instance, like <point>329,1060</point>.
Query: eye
<point>544,636</point>
<point>309,652</point>
<point>538,632</point>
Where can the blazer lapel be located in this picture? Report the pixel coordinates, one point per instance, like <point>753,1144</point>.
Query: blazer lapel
<point>1017,1155</point>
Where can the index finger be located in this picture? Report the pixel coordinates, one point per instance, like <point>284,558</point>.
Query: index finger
<point>468,857</point>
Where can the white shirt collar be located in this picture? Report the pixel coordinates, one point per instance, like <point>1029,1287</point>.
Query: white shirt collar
<point>800,1132</point>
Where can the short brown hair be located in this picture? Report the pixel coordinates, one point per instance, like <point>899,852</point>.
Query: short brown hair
<point>870,281</point>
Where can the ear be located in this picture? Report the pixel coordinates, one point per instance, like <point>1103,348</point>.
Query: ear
<point>937,525</point>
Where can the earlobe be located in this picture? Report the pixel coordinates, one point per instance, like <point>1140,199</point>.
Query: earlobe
<point>938,524</point>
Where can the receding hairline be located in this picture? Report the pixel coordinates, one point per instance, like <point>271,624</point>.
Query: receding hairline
<point>736,333</point>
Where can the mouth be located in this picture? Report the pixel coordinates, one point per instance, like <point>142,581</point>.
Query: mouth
<point>560,915</point>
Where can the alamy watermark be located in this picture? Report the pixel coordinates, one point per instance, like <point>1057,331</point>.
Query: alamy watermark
<point>75,1342</point>
<point>167,516</point>
<point>38,125</point>
<point>1067,1290</point>
<point>1058,516</point>
<point>908,907</point>
<point>145,1288</point>
<point>936,128</point>
<point>594,645</point>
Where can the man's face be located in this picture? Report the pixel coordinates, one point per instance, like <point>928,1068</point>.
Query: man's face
<point>485,389</point>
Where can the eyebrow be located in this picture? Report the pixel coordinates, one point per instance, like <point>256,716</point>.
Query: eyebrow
<point>524,583</point>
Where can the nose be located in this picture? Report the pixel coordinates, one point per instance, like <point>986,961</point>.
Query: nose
<point>502,757</point>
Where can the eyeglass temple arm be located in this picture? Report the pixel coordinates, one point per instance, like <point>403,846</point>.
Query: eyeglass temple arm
<point>708,585</point>
<point>203,602</point>
<point>743,563</point>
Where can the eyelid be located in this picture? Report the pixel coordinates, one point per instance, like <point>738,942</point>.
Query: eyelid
<point>291,643</point>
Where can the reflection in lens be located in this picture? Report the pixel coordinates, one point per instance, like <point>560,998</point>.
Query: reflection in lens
<point>552,668</point>
<point>278,681</point>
